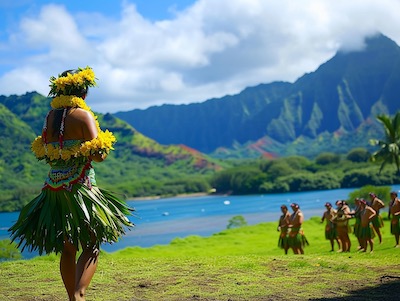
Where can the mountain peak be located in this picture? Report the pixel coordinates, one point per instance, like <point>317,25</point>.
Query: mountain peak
<point>380,41</point>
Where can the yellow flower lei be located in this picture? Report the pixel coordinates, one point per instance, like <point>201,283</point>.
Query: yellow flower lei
<point>51,152</point>
<point>102,143</point>
<point>65,101</point>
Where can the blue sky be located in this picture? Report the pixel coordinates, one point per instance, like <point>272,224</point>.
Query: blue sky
<point>151,9</point>
<point>148,53</point>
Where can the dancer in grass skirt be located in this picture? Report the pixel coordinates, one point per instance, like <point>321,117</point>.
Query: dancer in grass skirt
<point>395,217</point>
<point>356,214</point>
<point>377,222</point>
<point>297,239</point>
<point>330,227</point>
<point>343,229</point>
<point>283,228</point>
<point>72,213</point>
<point>367,233</point>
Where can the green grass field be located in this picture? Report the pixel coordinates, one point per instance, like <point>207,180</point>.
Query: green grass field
<point>237,264</point>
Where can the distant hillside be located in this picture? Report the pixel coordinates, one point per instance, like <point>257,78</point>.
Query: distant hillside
<point>325,109</point>
<point>139,166</point>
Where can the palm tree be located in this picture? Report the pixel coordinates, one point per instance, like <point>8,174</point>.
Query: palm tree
<point>389,151</point>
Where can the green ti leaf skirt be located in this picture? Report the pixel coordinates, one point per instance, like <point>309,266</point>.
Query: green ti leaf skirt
<point>83,216</point>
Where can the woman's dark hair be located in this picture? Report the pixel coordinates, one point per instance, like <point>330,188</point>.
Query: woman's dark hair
<point>77,91</point>
<point>57,117</point>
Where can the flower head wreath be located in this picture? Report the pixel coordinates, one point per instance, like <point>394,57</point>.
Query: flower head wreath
<point>72,82</point>
<point>66,90</point>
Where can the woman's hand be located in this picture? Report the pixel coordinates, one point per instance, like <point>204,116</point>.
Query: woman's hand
<point>99,156</point>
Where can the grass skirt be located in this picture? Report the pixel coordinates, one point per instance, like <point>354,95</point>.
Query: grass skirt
<point>367,232</point>
<point>83,216</point>
<point>395,226</point>
<point>377,221</point>
<point>330,231</point>
<point>283,241</point>
<point>357,228</point>
<point>297,239</point>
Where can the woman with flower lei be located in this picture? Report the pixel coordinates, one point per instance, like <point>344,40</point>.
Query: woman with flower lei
<point>72,212</point>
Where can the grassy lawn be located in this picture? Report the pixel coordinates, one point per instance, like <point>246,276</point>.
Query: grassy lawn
<point>238,264</point>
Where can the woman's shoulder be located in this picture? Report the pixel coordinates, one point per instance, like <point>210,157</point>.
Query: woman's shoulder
<point>81,115</point>
<point>81,112</point>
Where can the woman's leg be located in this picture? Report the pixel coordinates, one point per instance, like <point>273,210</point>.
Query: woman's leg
<point>85,269</point>
<point>342,243</point>
<point>68,268</point>
<point>348,243</point>
<point>371,244</point>
<point>286,249</point>
<point>363,244</point>
<point>339,243</point>
<point>378,232</point>
<point>332,241</point>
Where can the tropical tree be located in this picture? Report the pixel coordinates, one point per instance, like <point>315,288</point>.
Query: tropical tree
<point>389,148</point>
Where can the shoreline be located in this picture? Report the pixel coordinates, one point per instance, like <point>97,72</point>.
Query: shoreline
<point>182,195</point>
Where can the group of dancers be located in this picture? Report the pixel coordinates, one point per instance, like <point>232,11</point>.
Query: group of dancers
<point>367,224</point>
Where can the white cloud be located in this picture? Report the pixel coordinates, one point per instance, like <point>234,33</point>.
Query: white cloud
<point>210,49</point>
<point>21,80</point>
<point>56,32</point>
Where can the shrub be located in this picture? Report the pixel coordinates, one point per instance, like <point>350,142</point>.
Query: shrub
<point>327,158</point>
<point>276,187</point>
<point>9,250</point>
<point>382,192</point>
<point>309,181</point>
<point>358,155</point>
<point>236,222</point>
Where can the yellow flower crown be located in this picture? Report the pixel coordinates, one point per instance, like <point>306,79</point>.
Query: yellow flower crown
<point>104,141</point>
<point>67,85</point>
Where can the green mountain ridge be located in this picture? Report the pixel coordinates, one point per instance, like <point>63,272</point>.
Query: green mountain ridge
<point>326,107</point>
<point>139,166</point>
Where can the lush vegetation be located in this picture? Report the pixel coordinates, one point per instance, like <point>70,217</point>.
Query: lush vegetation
<point>327,171</point>
<point>243,263</point>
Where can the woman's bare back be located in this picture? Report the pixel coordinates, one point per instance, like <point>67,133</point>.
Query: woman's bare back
<point>79,124</point>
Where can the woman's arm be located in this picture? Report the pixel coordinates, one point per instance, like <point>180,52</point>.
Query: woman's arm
<point>89,131</point>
